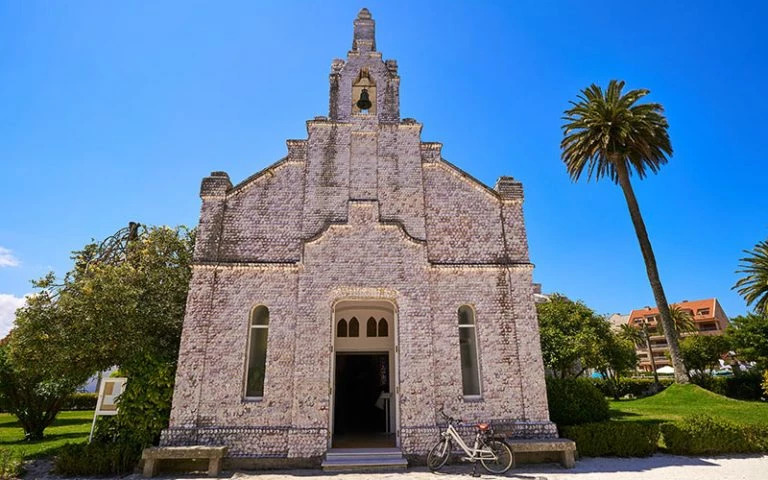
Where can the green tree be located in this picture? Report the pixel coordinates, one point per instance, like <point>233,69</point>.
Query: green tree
<point>132,308</point>
<point>617,357</point>
<point>36,377</point>
<point>609,135</point>
<point>131,313</point>
<point>681,319</point>
<point>35,398</point>
<point>748,335</point>
<point>641,337</point>
<point>571,336</point>
<point>122,304</point>
<point>702,352</point>
<point>753,286</point>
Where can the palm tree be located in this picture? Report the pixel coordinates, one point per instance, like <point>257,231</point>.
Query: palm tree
<point>642,338</point>
<point>682,319</point>
<point>754,285</point>
<point>609,135</point>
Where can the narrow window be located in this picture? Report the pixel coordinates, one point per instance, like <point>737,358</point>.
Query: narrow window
<point>354,327</point>
<point>370,327</point>
<point>383,328</point>
<point>341,328</point>
<point>470,376</point>
<point>257,354</point>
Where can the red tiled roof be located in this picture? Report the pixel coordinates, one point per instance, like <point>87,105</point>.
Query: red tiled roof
<point>694,305</point>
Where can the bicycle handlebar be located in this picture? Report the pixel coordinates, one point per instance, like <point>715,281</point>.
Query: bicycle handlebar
<point>450,418</point>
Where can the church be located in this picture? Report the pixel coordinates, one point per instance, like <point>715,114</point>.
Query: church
<point>349,293</point>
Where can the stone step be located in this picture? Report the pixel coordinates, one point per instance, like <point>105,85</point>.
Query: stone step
<point>345,452</point>
<point>364,459</point>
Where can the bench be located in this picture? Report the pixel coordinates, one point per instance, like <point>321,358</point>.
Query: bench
<point>566,447</point>
<point>153,455</point>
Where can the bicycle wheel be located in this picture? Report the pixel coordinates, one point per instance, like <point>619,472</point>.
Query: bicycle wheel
<point>505,459</point>
<point>439,454</point>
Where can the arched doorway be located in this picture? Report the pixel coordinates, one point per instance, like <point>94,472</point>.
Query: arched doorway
<point>363,392</point>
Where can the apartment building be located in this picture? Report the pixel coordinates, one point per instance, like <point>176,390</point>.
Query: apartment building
<point>708,317</point>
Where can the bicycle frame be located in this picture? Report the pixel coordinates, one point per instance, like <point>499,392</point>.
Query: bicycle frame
<point>473,454</point>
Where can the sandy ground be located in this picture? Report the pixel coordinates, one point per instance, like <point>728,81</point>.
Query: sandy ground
<point>657,467</point>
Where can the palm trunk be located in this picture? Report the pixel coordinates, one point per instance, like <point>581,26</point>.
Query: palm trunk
<point>653,273</point>
<point>647,337</point>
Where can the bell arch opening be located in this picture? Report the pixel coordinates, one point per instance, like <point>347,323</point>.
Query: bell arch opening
<point>364,94</point>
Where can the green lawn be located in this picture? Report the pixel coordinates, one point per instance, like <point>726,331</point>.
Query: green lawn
<point>678,401</point>
<point>69,427</point>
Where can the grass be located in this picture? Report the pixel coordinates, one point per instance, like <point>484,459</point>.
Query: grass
<point>678,401</point>
<point>69,427</point>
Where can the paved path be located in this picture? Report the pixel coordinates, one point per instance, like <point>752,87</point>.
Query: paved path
<point>657,467</point>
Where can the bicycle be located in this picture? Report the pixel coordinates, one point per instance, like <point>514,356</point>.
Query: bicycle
<point>493,452</point>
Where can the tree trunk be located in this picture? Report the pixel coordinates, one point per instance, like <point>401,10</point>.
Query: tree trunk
<point>653,273</point>
<point>647,337</point>
<point>34,435</point>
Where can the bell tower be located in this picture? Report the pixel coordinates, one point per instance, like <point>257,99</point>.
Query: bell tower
<point>364,84</point>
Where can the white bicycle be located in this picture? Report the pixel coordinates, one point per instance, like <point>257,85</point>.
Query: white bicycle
<point>493,452</point>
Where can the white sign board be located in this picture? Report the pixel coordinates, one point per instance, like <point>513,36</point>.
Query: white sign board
<point>109,390</point>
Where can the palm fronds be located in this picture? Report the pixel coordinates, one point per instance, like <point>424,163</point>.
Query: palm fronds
<point>753,286</point>
<point>682,319</point>
<point>604,129</point>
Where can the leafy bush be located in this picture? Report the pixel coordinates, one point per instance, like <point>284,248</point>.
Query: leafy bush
<point>703,434</point>
<point>745,386</point>
<point>713,384</point>
<point>573,401</point>
<point>96,458</point>
<point>635,386</point>
<point>765,383</point>
<point>10,464</point>
<point>145,405</point>
<point>613,438</point>
<point>81,401</point>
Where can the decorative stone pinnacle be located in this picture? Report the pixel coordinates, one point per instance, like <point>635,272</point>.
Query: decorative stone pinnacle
<point>215,185</point>
<point>365,32</point>
<point>509,188</point>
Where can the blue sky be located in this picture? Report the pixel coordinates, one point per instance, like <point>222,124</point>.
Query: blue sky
<point>114,111</point>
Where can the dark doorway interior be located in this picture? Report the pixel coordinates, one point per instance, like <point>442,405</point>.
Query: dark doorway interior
<point>360,416</point>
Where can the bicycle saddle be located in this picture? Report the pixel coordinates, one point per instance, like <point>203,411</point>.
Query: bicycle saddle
<point>483,426</point>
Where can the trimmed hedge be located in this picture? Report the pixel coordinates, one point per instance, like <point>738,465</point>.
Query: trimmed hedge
<point>614,438</point>
<point>96,458</point>
<point>703,434</point>
<point>637,387</point>
<point>573,401</point>
<point>81,401</point>
<point>745,386</point>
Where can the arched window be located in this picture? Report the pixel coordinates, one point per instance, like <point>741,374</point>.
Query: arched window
<point>341,328</point>
<point>383,328</point>
<point>470,372</point>
<point>354,327</point>
<point>370,327</point>
<point>257,352</point>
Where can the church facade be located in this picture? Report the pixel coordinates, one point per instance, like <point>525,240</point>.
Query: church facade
<point>350,292</point>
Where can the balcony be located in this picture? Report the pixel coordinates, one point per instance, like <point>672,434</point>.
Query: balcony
<point>708,327</point>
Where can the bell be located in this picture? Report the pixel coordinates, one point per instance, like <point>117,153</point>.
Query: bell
<point>364,103</point>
